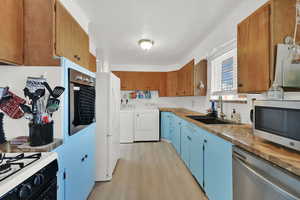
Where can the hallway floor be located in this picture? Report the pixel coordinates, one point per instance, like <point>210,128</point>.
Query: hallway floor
<point>149,171</point>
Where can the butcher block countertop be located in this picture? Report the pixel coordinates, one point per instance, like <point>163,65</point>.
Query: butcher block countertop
<point>242,136</point>
<point>10,148</point>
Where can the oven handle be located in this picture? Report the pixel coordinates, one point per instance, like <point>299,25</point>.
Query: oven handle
<point>240,159</point>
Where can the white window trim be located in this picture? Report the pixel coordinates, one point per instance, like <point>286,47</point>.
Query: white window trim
<point>217,52</point>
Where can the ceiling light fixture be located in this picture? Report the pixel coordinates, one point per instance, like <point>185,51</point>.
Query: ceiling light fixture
<point>146,44</point>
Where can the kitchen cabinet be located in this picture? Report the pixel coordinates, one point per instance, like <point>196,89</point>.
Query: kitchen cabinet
<point>217,168</point>
<point>171,84</point>
<point>72,41</point>
<point>185,85</point>
<point>79,161</point>
<point>11,32</point>
<point>165,125</point>
<point>208,157</point>
<point>61,35</point>
<point>146,125</point>
<point>176,133</point>
<point>140,80</point>
<point>184,82</point>
<point>197,156</point>
<point>257,49</point>
<point>93,63</point>
<point>200,78</point>
<point>185,144</point>
<point>127,126</point>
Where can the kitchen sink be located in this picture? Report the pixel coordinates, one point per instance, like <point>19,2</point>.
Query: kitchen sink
<point>210,120</point>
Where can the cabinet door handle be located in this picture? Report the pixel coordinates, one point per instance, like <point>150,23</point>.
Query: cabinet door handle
<point>86,156</point>
<point>205,141</point>
<point>240,85</point>
<point>82,159</point>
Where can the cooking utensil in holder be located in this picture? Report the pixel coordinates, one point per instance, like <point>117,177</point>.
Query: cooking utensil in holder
<point>40,134</point>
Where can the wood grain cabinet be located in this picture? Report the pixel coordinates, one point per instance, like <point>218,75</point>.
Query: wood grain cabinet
<point>258,36</point>
<point>51,32</point>
<point>184,82</point>
<point>200,78</point>
<point>93,63</point>
<point>11,32</point>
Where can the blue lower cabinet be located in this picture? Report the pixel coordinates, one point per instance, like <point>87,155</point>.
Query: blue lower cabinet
<point>78,163</point>
<point>197,156</point>
<point>176,138</point>
<point>165,125</point>
<point>185,145</point>
<point>217,168</point>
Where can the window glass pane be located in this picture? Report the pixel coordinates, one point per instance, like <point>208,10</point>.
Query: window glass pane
<point>227,74</point>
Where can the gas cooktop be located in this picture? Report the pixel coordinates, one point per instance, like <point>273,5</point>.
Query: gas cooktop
<point>11,163</point>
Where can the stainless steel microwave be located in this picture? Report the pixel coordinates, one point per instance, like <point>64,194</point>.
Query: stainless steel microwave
<point>278,122</point>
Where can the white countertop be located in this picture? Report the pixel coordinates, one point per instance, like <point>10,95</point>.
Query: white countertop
<point>11,182</point>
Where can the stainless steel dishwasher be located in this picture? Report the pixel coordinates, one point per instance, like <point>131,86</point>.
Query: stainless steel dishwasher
<point>255,178</point>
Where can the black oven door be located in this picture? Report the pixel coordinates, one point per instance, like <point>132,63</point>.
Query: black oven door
<point>49,193</point>
<point>82,97</point>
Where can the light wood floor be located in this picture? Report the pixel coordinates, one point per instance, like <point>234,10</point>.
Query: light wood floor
<point>149,171</point>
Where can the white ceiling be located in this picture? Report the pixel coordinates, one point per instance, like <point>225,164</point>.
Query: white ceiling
<point>176,26</point>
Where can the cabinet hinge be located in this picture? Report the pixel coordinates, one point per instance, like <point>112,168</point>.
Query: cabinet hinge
<point>65,176</point>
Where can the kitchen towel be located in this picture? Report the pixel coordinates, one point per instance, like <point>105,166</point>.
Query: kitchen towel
<point>11,107</point>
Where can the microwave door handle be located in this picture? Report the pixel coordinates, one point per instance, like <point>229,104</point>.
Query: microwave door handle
<point>264,179</point>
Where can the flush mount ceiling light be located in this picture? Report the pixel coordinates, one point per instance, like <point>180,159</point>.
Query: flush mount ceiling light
<point>146,44</point>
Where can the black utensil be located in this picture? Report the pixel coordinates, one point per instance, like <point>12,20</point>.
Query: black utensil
<point>58,91</point>
<point>48,88</point>
<point>26,109</point>
<point>2,134</point>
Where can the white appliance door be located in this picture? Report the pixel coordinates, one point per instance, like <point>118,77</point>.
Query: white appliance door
<point>147,125</point>
<point>114,124</point>
<point>126,126</point>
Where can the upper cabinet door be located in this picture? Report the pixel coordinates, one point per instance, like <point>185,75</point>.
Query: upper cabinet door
<point>254,52</point>
<point>71,40</point>
<point>200,76</point>
<point>172,83</point>
<point>93,63</point>
<point>11,32</point>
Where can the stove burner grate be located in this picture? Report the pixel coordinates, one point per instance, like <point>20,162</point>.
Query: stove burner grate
<point>5,168</point>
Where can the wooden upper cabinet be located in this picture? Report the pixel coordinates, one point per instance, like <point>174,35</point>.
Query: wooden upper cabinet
<point>254,52</point>
<point>171,84</point>
<point>93,63</point>
<point>200,78</point>
<point>52,32</point>
<point>185,77</point>
<point>71,40</point>
<point>11,32</point>
<point>258,36</point>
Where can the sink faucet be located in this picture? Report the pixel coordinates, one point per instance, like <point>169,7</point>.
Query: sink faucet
<point>222,114</point>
